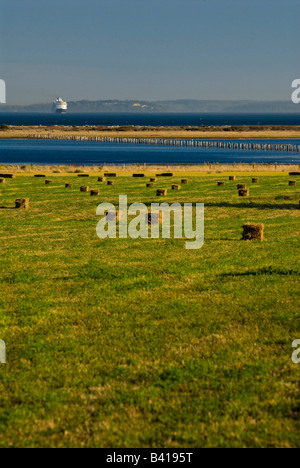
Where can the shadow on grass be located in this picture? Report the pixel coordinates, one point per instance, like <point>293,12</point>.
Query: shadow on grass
<point>258,206</point>
<point>262,271</point>
<point>7,207</point>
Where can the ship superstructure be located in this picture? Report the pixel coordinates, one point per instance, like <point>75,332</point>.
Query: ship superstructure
<point>60,106</point>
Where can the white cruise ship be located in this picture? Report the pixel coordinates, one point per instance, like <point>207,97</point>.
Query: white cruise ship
<point>60,106</point>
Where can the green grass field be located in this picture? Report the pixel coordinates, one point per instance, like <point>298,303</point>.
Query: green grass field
<point>141,343</point>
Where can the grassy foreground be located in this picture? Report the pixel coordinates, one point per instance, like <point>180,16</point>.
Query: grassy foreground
<point>141,343</point>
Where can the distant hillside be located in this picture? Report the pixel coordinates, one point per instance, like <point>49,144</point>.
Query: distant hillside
<point>183,105</point>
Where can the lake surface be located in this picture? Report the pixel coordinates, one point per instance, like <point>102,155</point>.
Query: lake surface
<point>169,119</point>
<point>49,152</point>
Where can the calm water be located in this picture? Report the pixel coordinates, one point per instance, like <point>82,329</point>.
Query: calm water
<point>91,153</point>
<point>149,119</point>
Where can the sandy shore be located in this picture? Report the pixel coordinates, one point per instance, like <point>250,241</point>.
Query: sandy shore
<point>243,132</point>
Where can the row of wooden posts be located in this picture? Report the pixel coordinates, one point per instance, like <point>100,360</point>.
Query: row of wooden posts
<point>287,148</point>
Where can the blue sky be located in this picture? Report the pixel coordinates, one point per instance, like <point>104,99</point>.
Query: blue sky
<point>149,49</point>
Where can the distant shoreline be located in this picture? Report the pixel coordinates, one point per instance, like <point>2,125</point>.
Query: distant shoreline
<point>214,132</point>
<point>177,106</point>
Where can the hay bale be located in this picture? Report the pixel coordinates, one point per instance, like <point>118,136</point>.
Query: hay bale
<point>232,177</point>
<point>154,218</point>
<point>292,183</point>
<point>83,175</point>
<point>184,181</point>
<point>7,176</point>
<point>161,192</point>
<point>110,174</point>
<point>241,186</point>
<point>253,231</point>
<point>244,193</point>
<point>150,184</point>
<point>110,182</point>
<point>176,187</point>
<point>39,175</point>
<point>221,183</point>
<point>48,182</point>
<point>294,173</point>
<point>84,188</point>
<point>68,185</point>
<point>95,193</point>
<point>165,174</point>
<point>138,175</point>
<point>22,203</point>
<point>254,180</point>
<point>112,215</point>
<point>153,179</point>
<point>101,179</point>
<point>2,181</point>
